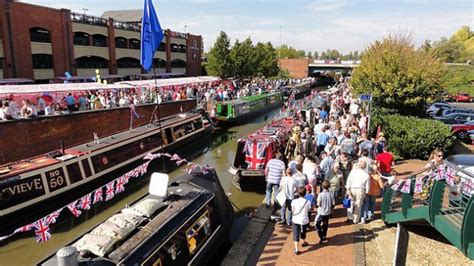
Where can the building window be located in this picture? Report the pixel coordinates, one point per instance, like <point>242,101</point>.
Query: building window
<point>134,44</point>
<point>159,63</point>
<point>162,47</point>
<point>99,40</point>
<point>182,48</point>
<point>81,38</point>
<point>128,62</point>
<point>42,61</point>
<point>174,48</point>
<point>39,35</point>
<point>92,62</point>
<point>178,63</point>
<point>120,42</point>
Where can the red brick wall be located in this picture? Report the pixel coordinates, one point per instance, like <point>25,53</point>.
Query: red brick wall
<point>22,18</point>
<point>194,55</point>
<point>298,67</point>
<point>26,138</point>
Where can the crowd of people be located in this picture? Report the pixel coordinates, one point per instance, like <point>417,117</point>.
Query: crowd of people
<point>327,160</point>
<point>203,93</point>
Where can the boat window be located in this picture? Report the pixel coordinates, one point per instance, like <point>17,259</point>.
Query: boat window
<point>55,179</point>
<point>74,172</point>
<point>183,129</point>
<point>86,167</point>
<point>198,232</point>
<point>125,152</point>
<point>169,136</point>
<point>222,109</point>
<point>20,190</point>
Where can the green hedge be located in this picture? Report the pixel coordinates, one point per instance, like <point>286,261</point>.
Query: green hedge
<point>410,137</point>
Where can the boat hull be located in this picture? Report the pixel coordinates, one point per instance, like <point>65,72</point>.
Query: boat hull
<point>242,119</point>
<point>33,212</point>
<point>248,180</point>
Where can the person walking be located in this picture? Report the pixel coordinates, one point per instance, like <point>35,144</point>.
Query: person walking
<point>358,185</point>
<point>288,188</point>
<point>385,162</point>
<point>300,208</point>
<point>326,204</point>
<point>273,174</point>
<point>375,190</point>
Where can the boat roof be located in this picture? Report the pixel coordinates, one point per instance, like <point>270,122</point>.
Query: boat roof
<point>270,132</point>
<point>250,98</point>
<point>18,167</point>
<point>182,195</point>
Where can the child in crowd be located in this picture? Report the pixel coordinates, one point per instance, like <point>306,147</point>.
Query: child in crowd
<point>326,204</point>
<point>310,197</point>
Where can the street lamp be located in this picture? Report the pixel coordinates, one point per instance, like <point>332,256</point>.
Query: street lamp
<point>85,9</point>
<point>185,26</point>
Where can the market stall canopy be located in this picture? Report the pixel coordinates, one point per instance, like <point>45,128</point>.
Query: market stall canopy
<point>171,81</point>
<point>15,81</point>
<point>41,88</point>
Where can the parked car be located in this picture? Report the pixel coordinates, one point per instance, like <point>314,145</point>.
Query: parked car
<point>471,134</point>
<point>462,97</point>
<point>436,107</point>
<point>456,118</point>
<point>460,130</point>
<point>446,112</point>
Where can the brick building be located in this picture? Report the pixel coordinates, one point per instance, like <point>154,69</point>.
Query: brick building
<point>298,67</point>
<point>41,43</point>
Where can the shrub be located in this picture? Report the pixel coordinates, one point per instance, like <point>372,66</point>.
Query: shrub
<point>410,137</point>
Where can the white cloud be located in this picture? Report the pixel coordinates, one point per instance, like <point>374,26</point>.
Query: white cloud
<point>320,6</point>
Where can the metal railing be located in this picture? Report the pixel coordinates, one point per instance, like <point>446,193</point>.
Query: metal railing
<point>87,19</point>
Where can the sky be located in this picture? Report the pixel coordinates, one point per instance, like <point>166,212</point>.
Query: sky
<point>310,25</point>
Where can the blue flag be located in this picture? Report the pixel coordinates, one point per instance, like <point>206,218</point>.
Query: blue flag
<point>151,35</point>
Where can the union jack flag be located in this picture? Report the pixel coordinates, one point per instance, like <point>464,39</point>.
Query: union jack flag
<point>42,230</point>
<point>98,195</point>
<point>109,191</point>
<point>468,186</point>
<point>126,178</point>
<point>24,228</point>
<point>255,154</point>
<point>120,185</point>
<point>419,185</point>
<point>52,218</point>
<point>180,162</point>
<point>86,202</point>
<point>73,208</point>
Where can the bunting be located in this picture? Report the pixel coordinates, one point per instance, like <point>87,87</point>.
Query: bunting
<point>418,185</point>
<point>42,226</point>
<point>406,186</point>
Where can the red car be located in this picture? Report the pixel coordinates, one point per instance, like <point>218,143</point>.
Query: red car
<point>460,130</point>
<point>462,97</point>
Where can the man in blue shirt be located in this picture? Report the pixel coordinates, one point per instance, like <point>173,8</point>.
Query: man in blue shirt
<point>70,102</point>
<point>323,114</point>
<point>321,141</point>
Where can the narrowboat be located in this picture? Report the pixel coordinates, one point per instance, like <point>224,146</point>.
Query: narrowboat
<point>301,90</point>
<point>33,188</point>
<point>187,224</point>
<point>239,111</point>
<point>253,153</point>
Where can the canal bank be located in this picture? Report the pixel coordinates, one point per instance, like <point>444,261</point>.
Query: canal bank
<point>265,242</point>
<point>23,250</point>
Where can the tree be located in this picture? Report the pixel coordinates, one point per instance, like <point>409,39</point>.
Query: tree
<point>310,55</point>
<point>243,59</point>
<point>265,60</point>
<point>356,55</point>
<point>426,46</point>
<point>323,56</point>
<point>219,61</point>
<point>458,48</point>
<point>398,76</point>
<point>316,55</point>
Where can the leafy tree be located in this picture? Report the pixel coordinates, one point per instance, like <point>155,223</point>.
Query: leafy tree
<point>323,56</point>
<point>286,51</point>
<point>458,48</point>
<point>265,60</point>
<point>243,59</point>
<point>316,55</point>
<point>426,46</point>
<point>219,61</point>
<point>398,76</point>
<point>356,55</point>
<point>310,55</point>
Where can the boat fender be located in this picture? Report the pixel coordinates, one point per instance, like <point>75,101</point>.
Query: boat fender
<point>67,256</point>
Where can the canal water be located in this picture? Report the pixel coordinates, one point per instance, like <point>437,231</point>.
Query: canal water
<point>23,250</point>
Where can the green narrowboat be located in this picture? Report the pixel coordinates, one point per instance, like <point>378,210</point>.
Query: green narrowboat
<point>239,111</point>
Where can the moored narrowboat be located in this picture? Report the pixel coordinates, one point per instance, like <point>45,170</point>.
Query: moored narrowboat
<point>239,111</point>
<point>33,188</point>
<point>187,224</point>
<point>253,153</point>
